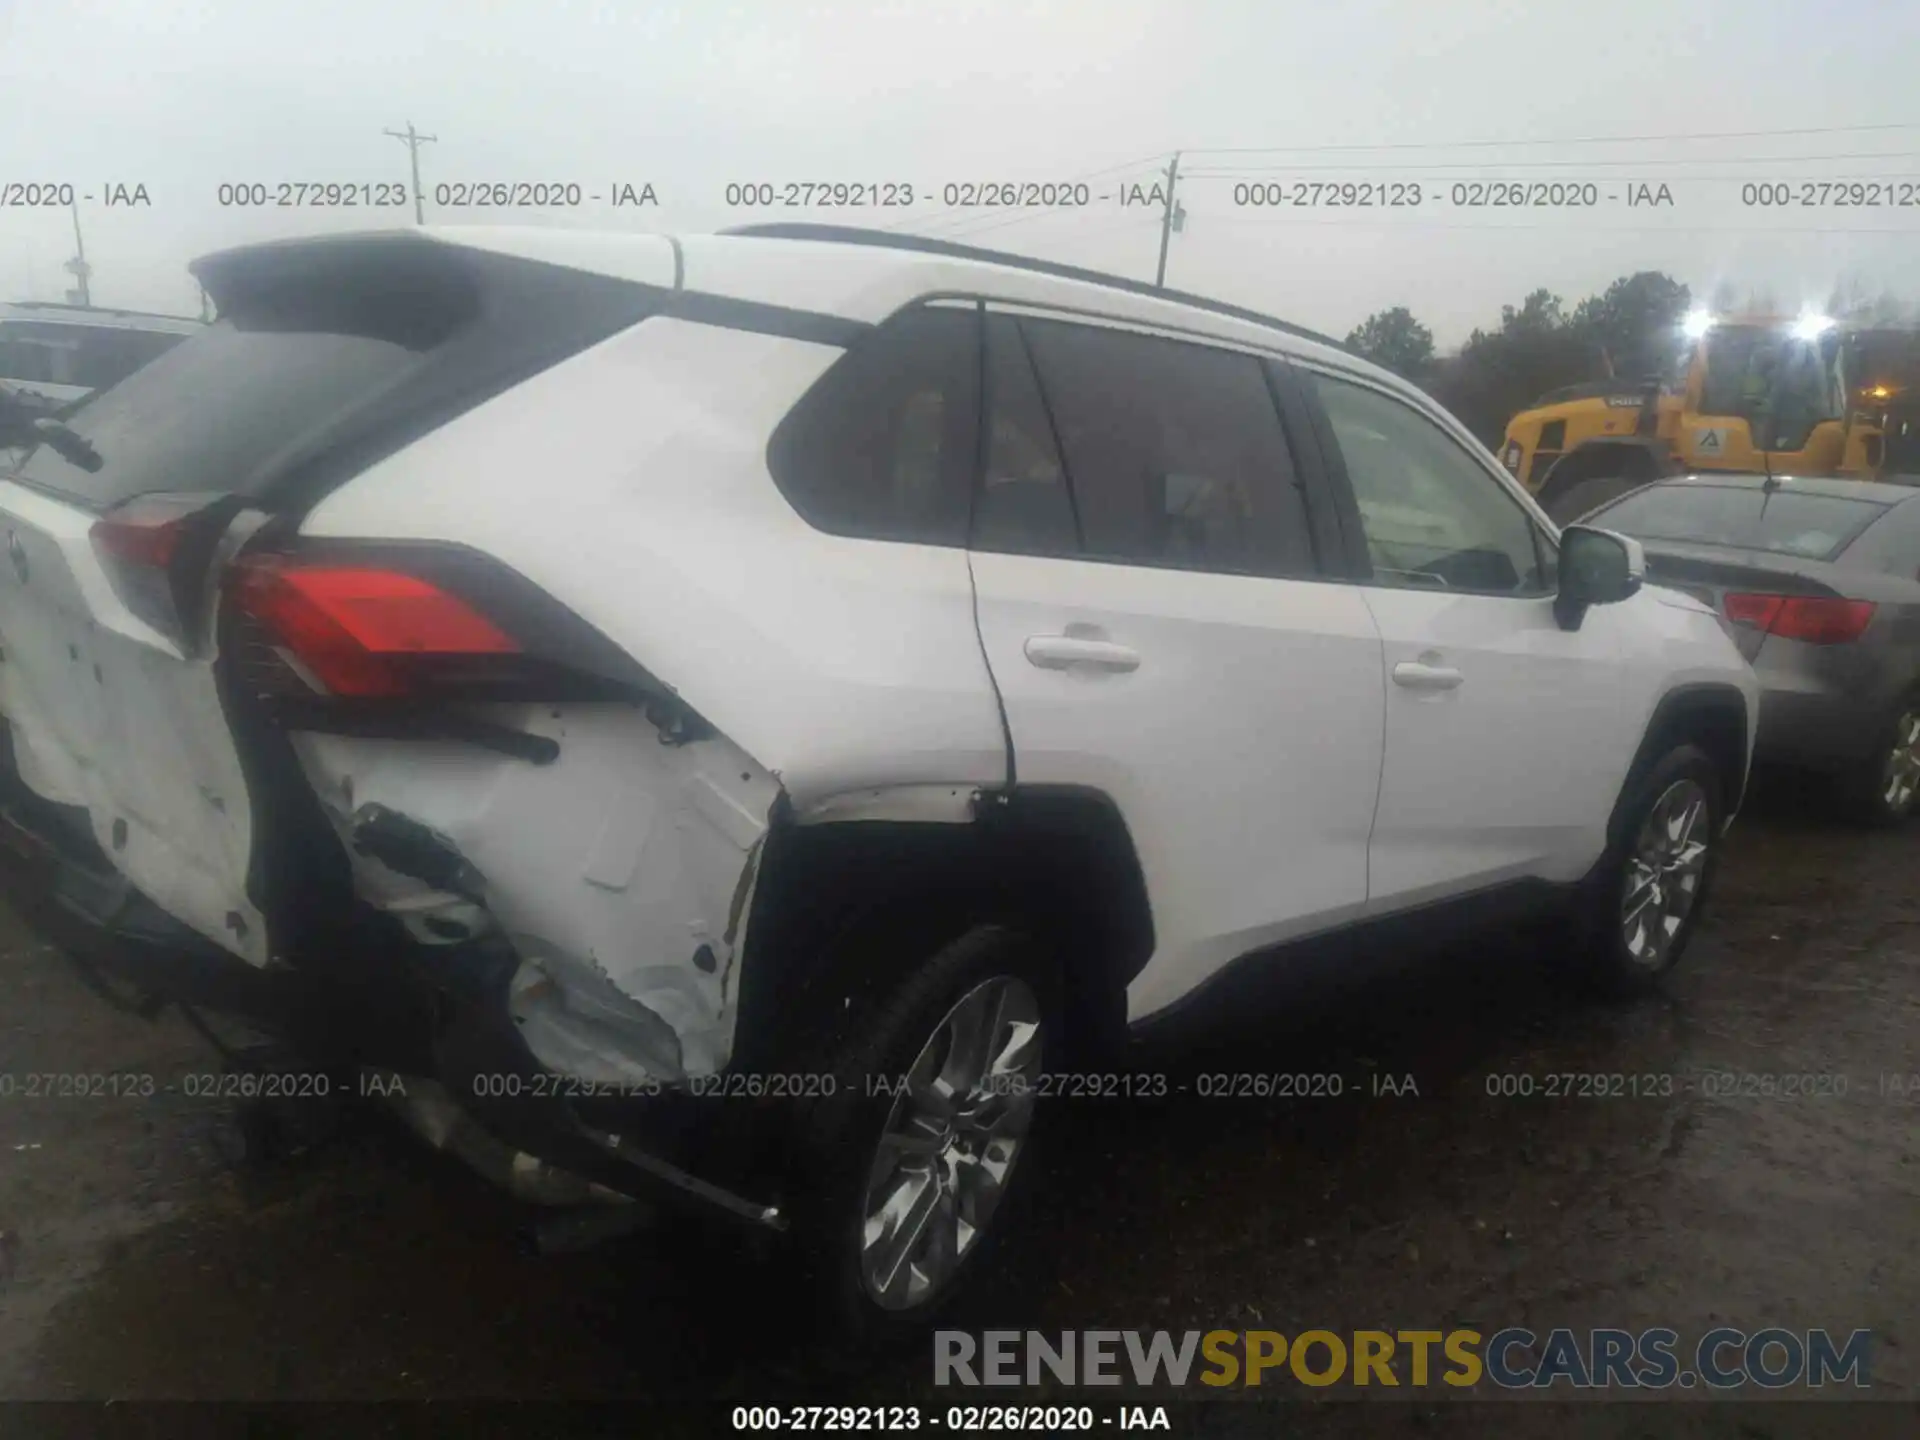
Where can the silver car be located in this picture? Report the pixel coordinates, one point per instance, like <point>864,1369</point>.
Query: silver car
<point>1820,582</point>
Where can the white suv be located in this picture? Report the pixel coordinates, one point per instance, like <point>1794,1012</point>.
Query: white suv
<point>719,718</point>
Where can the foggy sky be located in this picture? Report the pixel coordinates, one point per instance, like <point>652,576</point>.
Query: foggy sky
<point>182,95</point>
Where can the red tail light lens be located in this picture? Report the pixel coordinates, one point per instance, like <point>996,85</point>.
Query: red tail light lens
<point>155,549</point>
<point>1815,619</point>
<point>357,629</point>
<point>1755,610</point>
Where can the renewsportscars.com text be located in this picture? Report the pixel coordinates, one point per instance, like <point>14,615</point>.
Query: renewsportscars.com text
<point>1511,1359</point>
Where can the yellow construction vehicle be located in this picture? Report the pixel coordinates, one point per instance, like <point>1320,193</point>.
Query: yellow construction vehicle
<point>1755,395</point>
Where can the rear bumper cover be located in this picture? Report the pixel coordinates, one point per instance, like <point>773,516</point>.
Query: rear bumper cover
<point>60,885</point>
<point>586,1130</point>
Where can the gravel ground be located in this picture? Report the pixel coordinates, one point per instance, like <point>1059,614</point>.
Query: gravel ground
<point>135,1263</point>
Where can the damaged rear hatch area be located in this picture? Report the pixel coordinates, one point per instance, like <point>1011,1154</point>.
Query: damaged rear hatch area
<point>118,529</point>
<point>178,668</point>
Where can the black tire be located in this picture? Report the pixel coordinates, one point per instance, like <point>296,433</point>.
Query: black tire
<point>1867,787</point>
<point>1603,951</point>
<point>837,1141</point>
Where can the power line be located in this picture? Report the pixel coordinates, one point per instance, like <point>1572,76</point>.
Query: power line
<point>1482,176</point>
<point>1344,222</point>
<point>1580,140</point>
<point>1231,172</point>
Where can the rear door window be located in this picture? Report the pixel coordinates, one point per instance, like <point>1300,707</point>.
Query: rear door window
<point>883,445</point>
<point>1174,452</point>
<point>1781,522</point>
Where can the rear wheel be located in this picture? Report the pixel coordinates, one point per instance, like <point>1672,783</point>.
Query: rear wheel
<point>911,1170</point>
<point>1886,788</point>
<point>1639,907</point>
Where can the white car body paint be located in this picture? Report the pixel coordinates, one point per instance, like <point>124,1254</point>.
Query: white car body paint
<point>1513,771</point>
<point>1249,751</point>
<point>107,714</point>
<point>1237,674</point>
<point>836,663</point>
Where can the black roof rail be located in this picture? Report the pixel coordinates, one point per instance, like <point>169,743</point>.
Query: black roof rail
<point>925,245</point>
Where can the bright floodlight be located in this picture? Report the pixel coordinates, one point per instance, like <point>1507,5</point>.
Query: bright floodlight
<point>1697,323</point>
<point>1811,327</point>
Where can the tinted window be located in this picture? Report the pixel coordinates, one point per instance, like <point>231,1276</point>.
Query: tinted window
<point>209,413</point>
<point>1784,522</point>
<point>1174,451</point>
<point>883,446</point>
<point>1023,506</point>
<point>1433,516</point>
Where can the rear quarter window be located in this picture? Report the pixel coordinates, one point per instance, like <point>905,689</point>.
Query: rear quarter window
<point>882,447</point>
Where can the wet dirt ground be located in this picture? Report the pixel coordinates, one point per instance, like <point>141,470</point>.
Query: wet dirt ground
<point>136,1263</point>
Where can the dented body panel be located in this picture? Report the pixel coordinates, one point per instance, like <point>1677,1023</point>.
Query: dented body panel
<point>617,873</point>
<point>108,716</point>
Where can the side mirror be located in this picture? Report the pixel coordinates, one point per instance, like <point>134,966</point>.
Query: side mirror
<point>1597,567</point>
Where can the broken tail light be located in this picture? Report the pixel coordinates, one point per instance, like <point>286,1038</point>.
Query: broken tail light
<point>1813,619</point>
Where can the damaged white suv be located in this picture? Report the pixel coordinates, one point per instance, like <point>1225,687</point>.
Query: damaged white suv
<point>721,717</point>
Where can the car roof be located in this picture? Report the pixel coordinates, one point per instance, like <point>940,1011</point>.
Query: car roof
<point>887,240</point>
<point>852,274</point>
<point>1887,490</point>
<point>52,313</point>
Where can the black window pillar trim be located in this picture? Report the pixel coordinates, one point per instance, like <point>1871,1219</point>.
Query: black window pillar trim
<point>1319,497</point>
<point>1305,414</point>
<point>1053,428</point>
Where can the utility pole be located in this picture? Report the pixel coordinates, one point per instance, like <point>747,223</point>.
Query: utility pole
<point>78,267</point>
<point>414,140</point>
<point>1169,221</point>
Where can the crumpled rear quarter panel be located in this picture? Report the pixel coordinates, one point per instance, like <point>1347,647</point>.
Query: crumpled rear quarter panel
<point>624,862</point>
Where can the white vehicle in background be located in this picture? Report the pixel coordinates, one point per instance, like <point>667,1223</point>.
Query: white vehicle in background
<point>54,356</point>
<point>721,717</point>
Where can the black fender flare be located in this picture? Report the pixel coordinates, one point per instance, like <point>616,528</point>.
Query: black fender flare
<point>1712,714</point>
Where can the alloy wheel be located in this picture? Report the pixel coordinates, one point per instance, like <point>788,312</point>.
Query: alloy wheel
<point>1900,779</point>
<point>950,1143</point>
<point>1664,872</point>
